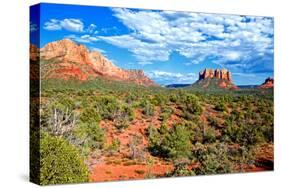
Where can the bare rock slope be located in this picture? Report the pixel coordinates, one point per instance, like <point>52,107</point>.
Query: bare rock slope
<point>66,59</point>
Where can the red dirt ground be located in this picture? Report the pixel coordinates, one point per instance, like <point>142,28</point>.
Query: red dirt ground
<point>120,165</point>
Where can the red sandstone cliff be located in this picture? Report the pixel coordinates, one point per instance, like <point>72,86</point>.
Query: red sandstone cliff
<point>71,60</point>
<point>33,52</point>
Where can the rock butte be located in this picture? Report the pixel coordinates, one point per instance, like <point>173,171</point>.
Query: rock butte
<point>223,76</point>
<point>72,60</point>
<point>217,73</point>
<point>268,83</point>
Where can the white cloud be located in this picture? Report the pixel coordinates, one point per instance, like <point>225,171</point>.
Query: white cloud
<point>232,55</point>
<point>154,35</point>
<point>82,39</point>
<point>52,25</point>
<point>98,50</point>
<point>143,51</point>
<point>74,25</point>
<point>170,77</point>
<point>91,28</point>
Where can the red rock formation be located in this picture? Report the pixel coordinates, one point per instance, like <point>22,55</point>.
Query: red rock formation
<point>211,73</point>
<point>223,77</point>
<point>34,68</point>
<point>75,61</point>
<point>33,52</point>
<point>268,83</point>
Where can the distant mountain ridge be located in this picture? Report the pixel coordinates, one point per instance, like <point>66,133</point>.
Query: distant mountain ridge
<point>177,85</point>
<point>65,59</point>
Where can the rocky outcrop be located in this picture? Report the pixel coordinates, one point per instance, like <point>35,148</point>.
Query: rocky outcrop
<point>33,52</point>
<point>217,73</point>
<point>71,60</point>
<point>268,83</point>
<point>65,50</point>
<point>34,68</point>
<point>218,78</point>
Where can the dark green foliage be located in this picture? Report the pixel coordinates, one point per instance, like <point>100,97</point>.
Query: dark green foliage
<point>90,115</point>
<point>108,106</point>
<point>181,169</point>
<point>214,159</point>
<point>190,103</point>
<point>147,108</point>
<point>245,135</point>
<point>173,143</point>
<point>166,112</point>
<point>220,106</point>
<point>209,135</point>
<point>124,117</point>
<point>215,122</point>
<point>60,162</point>
<point>160,99</point>
<point>90,135</point>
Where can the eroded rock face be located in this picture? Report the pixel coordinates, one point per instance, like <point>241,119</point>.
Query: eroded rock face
<point>222,79</point>
<point>268,83</point>
<point>217,73</point>
<point>76,61</point>
<point>65,50</point>
<point>33,52</point>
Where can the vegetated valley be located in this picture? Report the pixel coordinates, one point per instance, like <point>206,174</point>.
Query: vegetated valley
<point>102,129</point>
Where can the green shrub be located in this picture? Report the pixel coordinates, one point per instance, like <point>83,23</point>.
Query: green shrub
<point>220,106</point>
<point>114,146</point>
<point>210,135</point>
<point>90,135</point>
<point>215,122</point>
<point>60,162</point>
<point>108,107</point>
<point>245,135</point>
<point>180,169</point>
<point>122,123</point>
<point>213,159</point>
<point>123,118</point>
<point>160,99</point>
<point>90,115</point>
<point>166,112</point>
<point>190,103</point>
<point>174,143</point>
<point>147,108</point>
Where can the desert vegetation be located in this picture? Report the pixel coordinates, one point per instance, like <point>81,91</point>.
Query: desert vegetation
<point>107,130</point>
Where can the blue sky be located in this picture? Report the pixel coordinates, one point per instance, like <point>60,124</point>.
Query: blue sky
<point>171,47</point>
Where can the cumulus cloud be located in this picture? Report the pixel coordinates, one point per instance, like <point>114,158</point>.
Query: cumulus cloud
<point>228,40</point>
<point>70,24</point>
<point>145,52</point>
<point>171,77</point>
